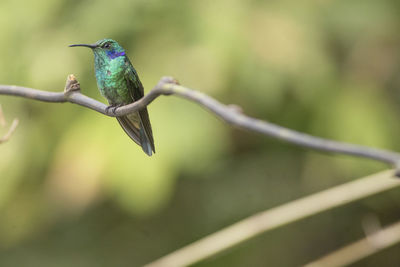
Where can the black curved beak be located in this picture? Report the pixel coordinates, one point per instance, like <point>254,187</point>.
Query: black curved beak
<point>92,46</point>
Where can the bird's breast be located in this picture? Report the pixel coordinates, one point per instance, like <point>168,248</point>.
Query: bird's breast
<point>112,83</point>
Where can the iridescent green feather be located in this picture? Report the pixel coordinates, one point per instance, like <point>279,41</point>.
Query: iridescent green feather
<point>119,83</point>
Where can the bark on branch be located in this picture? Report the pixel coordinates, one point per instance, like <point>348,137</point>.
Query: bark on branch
<point>229,113</point>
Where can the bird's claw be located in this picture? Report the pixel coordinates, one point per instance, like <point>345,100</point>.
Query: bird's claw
<point>112,108</point>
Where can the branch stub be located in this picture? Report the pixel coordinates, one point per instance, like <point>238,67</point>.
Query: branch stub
<point>72,84</point>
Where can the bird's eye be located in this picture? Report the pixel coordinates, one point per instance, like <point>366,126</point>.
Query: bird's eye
<point>106,45</point>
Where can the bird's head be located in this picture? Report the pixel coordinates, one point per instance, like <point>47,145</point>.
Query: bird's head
<point>105,48</point>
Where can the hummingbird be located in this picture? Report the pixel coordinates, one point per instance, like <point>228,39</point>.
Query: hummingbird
<point>119,83</point>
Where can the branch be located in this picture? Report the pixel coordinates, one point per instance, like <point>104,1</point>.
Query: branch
<point>229,113</point>
<point>273,218</point>
<point>11,130</point>
<point>361,249</point>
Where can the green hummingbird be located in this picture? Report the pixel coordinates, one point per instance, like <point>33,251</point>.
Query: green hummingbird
<point>119,83</point>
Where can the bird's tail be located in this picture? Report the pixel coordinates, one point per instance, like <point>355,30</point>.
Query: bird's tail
<point>134,127</point>
<point>145,141</point>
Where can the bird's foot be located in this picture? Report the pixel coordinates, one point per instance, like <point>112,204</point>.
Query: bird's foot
<point>111,108</point>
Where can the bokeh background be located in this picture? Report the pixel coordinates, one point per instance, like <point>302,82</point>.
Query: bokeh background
<point>76,191</point>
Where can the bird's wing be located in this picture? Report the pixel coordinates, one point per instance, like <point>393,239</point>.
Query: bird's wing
<point>137,92</point>
<point>130,128</point>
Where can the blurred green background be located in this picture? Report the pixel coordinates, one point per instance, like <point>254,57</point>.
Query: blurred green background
<point>76,191</point>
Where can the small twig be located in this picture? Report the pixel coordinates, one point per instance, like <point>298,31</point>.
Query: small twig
<point>287,213</point>
<point>230,114</point>
<point>12,128</point>
<point>361,249</point>
<point>2,119</point>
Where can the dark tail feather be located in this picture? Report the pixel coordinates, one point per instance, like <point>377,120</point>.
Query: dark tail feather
<point>145,141</point>
<point>137,134</point>
<point>146,132</point>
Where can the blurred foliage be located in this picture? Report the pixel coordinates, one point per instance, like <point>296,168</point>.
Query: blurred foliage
<point>74,189</point>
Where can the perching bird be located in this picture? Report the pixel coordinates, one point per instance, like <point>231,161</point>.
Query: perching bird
<point>119,83</point>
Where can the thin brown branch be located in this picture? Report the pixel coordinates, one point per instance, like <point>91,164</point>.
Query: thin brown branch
<point>230,114</point>
<point>287,213</point>
<point>361,249</point>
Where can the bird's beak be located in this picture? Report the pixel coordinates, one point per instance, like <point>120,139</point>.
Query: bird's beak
<point>85,45</point>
